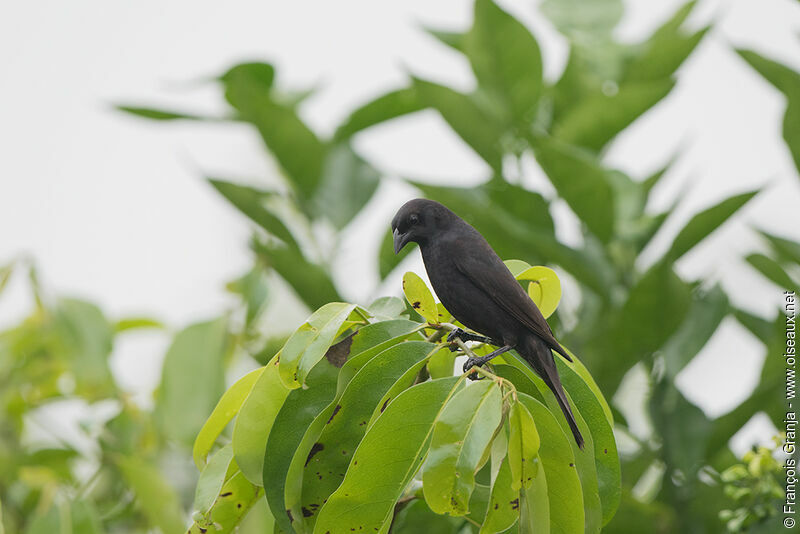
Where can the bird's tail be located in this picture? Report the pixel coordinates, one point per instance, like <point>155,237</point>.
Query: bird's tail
<point>538,355</point>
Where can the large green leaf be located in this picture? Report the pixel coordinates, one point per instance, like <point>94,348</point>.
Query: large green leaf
<point>225,410</point>
<point>477,128</point>
<point>506,60</point>
<point>503,508</point>
<point>296,148</point>
<point>581,182</point>
<point>705,314</point>
<point>461,434</point>
<point>310,342</point>
<point>311,282</point>
<point>596,120</point>
<point>705,222</point>
<point>212,478</point>
<point>234,501</point>
<point>523,446</point>
<point>193,369</point>
<point>558,464</point>
<point>656,306</point>
<point>293,433</point>
<point>365,502</point>
<point>385,107</point>
<point>347,184</point>
<point>255,420</point>
<point>253,203</point>
<point>327,462</point>
<point>157,499</point>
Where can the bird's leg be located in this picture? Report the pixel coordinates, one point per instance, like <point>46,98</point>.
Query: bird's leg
<point>467,336</point>
<point>472,362</point>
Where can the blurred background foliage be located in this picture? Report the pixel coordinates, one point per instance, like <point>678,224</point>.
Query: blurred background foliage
<point>129,469</point>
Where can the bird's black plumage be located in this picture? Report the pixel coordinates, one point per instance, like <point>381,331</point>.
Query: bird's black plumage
<point>479,290</point>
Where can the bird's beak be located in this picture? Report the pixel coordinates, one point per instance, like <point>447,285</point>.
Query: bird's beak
<point>399,239</point>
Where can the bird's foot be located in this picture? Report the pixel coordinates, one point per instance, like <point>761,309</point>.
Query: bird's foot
<point>452,336</point>
<point>463,335</point>
<point>472,363</point>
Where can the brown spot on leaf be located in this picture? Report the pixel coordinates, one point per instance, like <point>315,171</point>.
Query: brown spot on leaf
<point>571,464</point>
<point>515,504</point>
<point>605,451</point>
<point>335,411</point>
<point>202,530</point>
<point>306,512</point>
<point>337,355</point>
<point>226,494</point>
<point>315,448</point>
<point>385,403</point>
<point>238,505</point>
<point>289,513</point>
<point>496,506</point>
<point>416,304</point>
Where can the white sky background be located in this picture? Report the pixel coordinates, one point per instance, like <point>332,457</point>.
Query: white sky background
<point>113,209</point>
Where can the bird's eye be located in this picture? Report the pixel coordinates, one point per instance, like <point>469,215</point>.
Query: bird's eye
<point>413,219</point>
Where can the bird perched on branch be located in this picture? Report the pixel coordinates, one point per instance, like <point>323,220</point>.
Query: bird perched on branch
<point>479,290</point>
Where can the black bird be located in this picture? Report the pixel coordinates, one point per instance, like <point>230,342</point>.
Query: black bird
<point>479,290</point>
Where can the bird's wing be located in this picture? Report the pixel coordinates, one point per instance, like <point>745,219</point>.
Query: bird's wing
<point>488,273</point>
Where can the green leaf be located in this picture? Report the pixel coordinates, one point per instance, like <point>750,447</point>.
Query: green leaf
<point>506,60</point>
<point>544,288</point>
<point>212,478</point>
<point>461,434</point>
<point>86,338</point>
<point>159,114</point>
<point>656,306</point>
<point>420,297</point>
<point>523,446</point>
<point>234,501</point>
<point>788,82</point>
<point>705,314</point>
<point>563,484</point>
<point>387,307</point>
<point>253,203</point>
<point>503,510</point>
<point>68,517</point>
<point>227,407</point>
<point>786,249</point>
<point>384,108</point>
<point>255,72</point>
<point>297,149</point>
<point>347,184</point>
<point>135,323</point>
<point>442,363</point>
<point>596,120</point>
<point>534,514</point>
<point>193,369</point>
<point>595,412</point>
<point>310,281</point>
<point>416,517</point>
<point>253,289</point>
<point>705,222</point>
<point>477,128</point>
<point>575,18</point>
<point>157,500</point>
<point>255,420</point>
<point>581,182</point>
<point>326,463</point>
<point>364,500</point>
<point>772,270</point>
<point>454,40</point>
<point>310,342</point>
<point>286,453</point>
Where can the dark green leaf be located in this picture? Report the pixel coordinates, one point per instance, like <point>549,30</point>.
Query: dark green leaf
<point>159,114</point>
<point>479,130</point>
<point>772,270</point>
<point>704,223</point>
<point>310,281</point>
<point>506,61</point>
<point>348,183</point>
<point>253,203</point>
<point>384,108</point>
<point>581,182</point>
<point>705,314</point>
<point>366,501</point>
<point>328,461</point>
<point>297,149</point>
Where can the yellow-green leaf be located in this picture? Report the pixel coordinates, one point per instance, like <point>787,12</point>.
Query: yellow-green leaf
<point>420,297</point>
<point>523,446</point>
<point>544,288</point>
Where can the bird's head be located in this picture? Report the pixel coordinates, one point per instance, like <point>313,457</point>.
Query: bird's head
<point>419,220</point>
